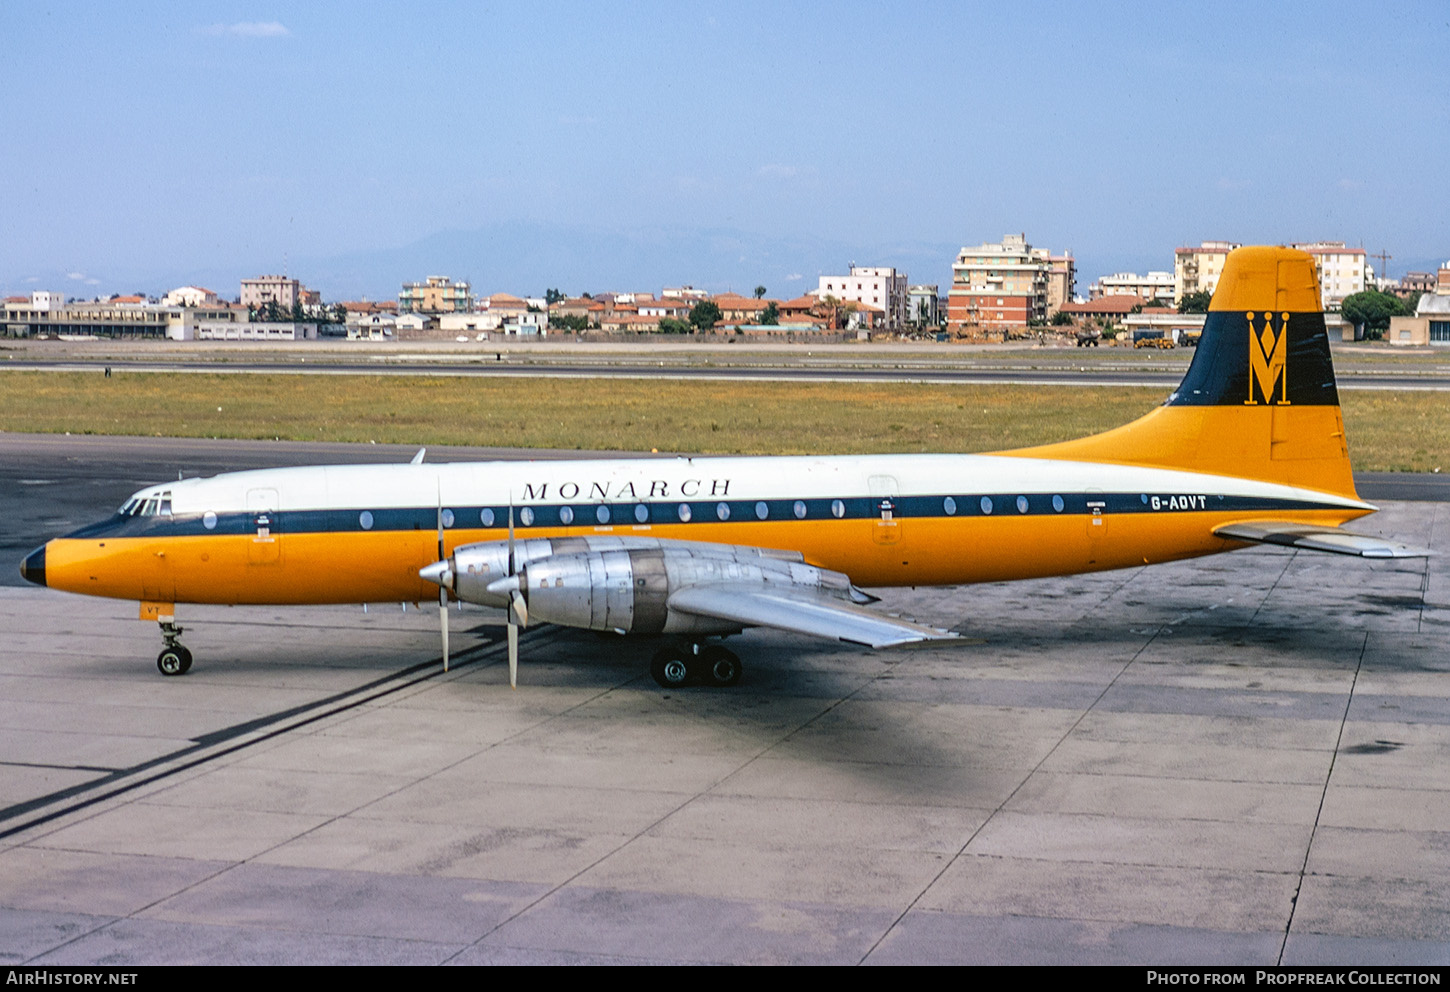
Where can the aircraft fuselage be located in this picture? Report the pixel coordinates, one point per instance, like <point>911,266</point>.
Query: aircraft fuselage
<point>340,534</point>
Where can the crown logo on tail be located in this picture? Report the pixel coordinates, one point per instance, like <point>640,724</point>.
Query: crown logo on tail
<point>1269,360</point>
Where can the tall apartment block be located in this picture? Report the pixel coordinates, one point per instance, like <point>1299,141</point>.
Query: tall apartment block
<point>1197,269</point>
<point>1009,284</point>
<point>438,294</point>
<point>285,292</point>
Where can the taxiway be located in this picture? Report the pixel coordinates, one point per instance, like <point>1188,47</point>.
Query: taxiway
<point>1235,760</point>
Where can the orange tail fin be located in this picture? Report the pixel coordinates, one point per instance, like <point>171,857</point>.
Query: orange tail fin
<point>1259,399</point>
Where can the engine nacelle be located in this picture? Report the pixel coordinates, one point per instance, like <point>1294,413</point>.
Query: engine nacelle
<point>624,584</point>
<point>629,590</point>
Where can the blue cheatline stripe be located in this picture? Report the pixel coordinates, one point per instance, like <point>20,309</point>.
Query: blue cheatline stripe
<point>585,515</point>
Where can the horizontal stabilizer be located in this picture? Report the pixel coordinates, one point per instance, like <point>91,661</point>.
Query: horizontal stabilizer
<point>1312,538</point>
<point>803,612</point>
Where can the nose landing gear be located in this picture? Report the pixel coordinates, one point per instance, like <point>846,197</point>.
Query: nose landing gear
<point>174,659</point>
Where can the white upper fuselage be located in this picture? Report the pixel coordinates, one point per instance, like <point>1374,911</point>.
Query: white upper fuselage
<point>692,480</point>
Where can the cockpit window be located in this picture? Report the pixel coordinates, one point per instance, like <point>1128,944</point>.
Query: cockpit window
<point>147,506</point>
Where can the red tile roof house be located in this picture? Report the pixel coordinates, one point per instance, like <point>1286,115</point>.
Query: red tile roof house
<point>1113,308</point>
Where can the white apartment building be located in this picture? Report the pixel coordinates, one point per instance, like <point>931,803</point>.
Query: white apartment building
<point>1155,285</point>
<point>881,287</point>
<point>190,296</point>
<point>46,301</point>
<point>922,305</point>
<point>1342,271</point>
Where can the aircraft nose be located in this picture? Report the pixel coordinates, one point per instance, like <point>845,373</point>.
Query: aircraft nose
<point>32,569</point>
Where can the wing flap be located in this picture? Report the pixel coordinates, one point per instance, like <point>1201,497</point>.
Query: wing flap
<point>804,612</point>
<point>1311,538</point>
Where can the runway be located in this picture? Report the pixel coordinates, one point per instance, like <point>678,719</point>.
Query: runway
<point>1239,760</point>
<point>1057,367</point>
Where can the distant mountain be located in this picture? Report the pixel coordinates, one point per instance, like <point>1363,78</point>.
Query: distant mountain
<point>526,259</point>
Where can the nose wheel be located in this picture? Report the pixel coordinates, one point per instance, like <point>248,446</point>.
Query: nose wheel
<point>174,659</point>
<point>694,664</point>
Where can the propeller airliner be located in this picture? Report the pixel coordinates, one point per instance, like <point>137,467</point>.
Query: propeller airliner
<point>1249,449</point>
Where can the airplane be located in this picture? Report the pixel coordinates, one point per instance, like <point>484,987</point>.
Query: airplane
<point>1249,449</point>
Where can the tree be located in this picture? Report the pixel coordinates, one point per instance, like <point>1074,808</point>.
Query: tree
<point>1061,319</point>
<point>552,296</point>
<point>1195,302</point>
<point>759,292</point>
<point>771,316</point>
<point>569,322</point>
<point>705,315</point>
<point>673,325</point>
<point>1373,310</point>
<point>836,311</point>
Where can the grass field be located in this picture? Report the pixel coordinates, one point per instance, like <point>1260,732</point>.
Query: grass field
<point>1388,431</point>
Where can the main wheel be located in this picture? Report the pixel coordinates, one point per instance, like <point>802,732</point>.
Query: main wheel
<point>670,669</point>
<point>174,661</point>
<point>720,666</point>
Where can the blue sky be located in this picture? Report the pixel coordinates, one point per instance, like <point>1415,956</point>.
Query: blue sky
<point>627,146</point>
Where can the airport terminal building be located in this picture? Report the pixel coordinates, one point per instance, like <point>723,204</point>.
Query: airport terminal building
<point>47,315</point>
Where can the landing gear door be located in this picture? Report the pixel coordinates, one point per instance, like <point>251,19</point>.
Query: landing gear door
<point>265,524</point>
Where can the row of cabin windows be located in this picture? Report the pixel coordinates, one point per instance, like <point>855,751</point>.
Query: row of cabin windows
<point>488,518</point>
<point>155,505</point>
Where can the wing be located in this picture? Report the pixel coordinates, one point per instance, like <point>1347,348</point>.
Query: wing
<point>802,610</point>
<point>1311,538</point>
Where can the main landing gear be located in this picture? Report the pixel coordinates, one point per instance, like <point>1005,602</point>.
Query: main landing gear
<point>174,659</point>
<point>689,664</point>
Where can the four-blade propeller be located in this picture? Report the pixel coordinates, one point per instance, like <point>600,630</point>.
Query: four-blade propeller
<point>510,586</point>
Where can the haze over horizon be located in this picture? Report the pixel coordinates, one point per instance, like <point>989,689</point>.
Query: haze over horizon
<point>632,146</point>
